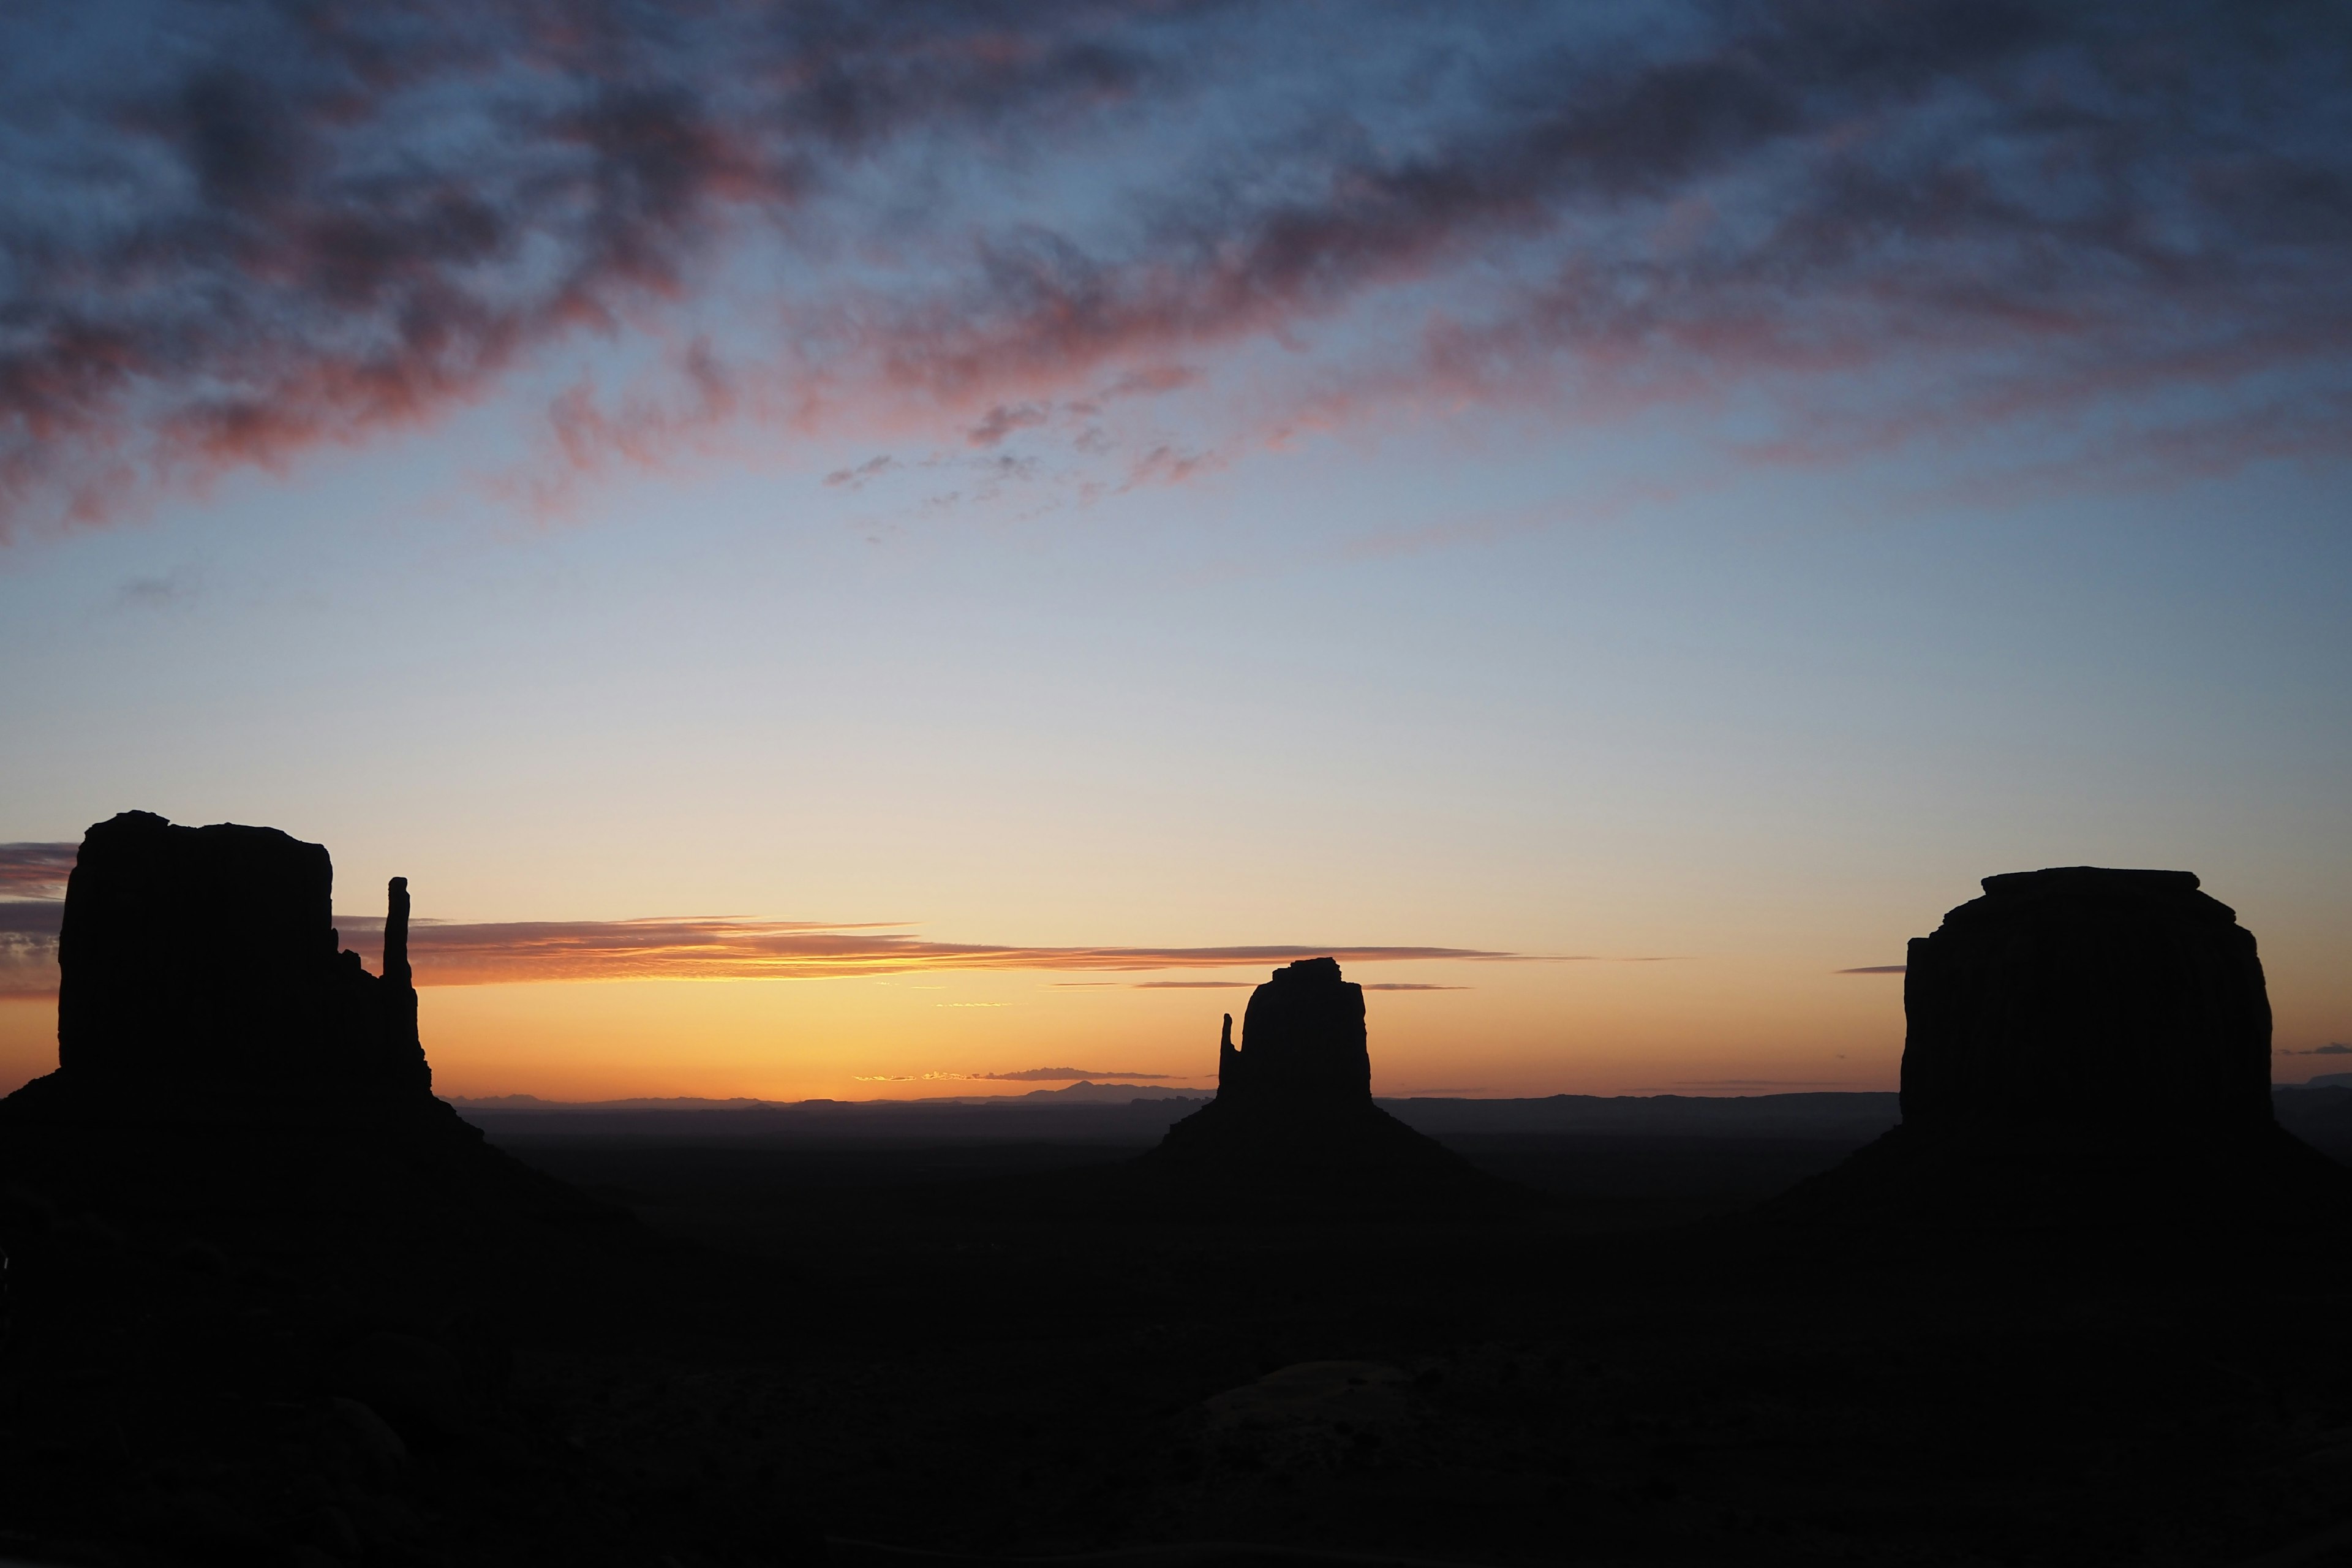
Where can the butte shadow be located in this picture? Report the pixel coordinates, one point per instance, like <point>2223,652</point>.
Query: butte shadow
<point>2087,1051</point>
<point>1293,1125</point>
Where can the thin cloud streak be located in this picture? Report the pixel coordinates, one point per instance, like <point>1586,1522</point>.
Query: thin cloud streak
<point>528,952</point>
<point>1053,1075</point>
<point>28,937</point>
<point>36,871</point>
<point>516,951</point>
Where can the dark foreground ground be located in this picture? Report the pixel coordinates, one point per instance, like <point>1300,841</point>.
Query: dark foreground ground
<point>877,1349</point>
<point>1000,1351</point>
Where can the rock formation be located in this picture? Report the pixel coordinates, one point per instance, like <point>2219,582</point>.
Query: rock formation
<point>2084,998</point>
<point>2086,1048</point>
<point>1305,1028</point>
<point>245,1247</point>
<point>227,1068</point>
<point>1294,1116</point>
<point>204,961</point>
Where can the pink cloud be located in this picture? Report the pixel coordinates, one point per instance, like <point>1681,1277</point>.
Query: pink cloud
<point>1909,224</point>
<point>36,871</point>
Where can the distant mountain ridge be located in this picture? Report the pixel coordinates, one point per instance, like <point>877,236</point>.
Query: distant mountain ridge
<point>1081,1093</point>
<point>1556,1112</point>
<point>1133,1114</point>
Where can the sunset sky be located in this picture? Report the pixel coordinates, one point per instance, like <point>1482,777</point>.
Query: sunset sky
<point>847,549</point>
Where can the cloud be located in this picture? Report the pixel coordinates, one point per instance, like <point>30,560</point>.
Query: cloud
<point>1198,986</point>
<point>159,593</point>
<point>857,479</point>
<point>36,871</point>
<point>1763,1083</point>
<point>28,927</point>
<point>1003,419</point>
<point>522,952</point>
<point>2333,1048</point>
<point>1879,969</point>
<point>1030,1075</point>
<point>1059,1075</point>
<point>298,229</point>
<point>729,949</point>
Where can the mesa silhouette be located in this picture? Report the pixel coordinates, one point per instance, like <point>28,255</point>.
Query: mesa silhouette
<point>204,987</point>
<point>2085,1046</point>
<point>1294,1120</point>
<point>223,1059</point>
<point>262,1288</point>
<point>204,962</point>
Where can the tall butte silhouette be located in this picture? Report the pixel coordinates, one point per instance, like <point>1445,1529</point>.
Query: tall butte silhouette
<point>1294,1118</point>
<point>204,962</point>
<point>218,1049</point>
<point>2084,1045</point>
<point>245,1246</point>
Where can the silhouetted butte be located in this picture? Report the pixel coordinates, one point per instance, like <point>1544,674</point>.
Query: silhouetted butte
<point>2085,1045</point>
<point>262,1288</point>
<point>1294,1116</point>
<point>218,1049</point>
<point>203,960</point>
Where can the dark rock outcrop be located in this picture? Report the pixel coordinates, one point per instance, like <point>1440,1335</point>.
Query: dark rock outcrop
<point>218,1049</point>
<point>244,1243</point>
<point>205,962</point>
<point>1305,1028</point>
<point>2086,1047</point>
<point>2084,998</point>
<point>1294,1118</point>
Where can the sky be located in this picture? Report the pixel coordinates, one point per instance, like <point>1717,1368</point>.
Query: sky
<point>866,550</point>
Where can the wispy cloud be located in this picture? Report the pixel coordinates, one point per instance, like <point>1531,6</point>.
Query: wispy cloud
<point>1369,984</point>
<point>159,593</point>
<point>1879,969</point>
<point>36,871</point>
<point>523,952</point>
<point>1060,1075</point>
<point>28,944</point>
<point>717,948</point>
<point>728,949</point>
<point>1031,1074</point>
<point>297,229</point>
<point>1759,1083</point>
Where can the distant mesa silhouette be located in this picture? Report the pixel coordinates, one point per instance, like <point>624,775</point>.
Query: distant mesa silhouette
<point>2084,1044</point>
<point>1294,1116</point>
